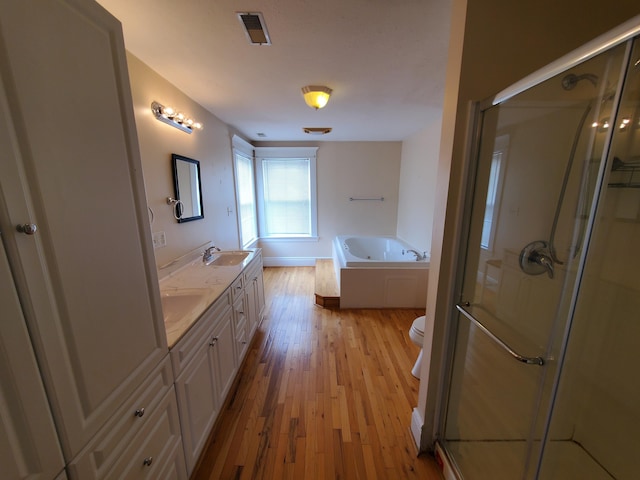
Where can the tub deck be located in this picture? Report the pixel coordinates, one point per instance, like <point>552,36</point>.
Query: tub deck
<point>327,291</point>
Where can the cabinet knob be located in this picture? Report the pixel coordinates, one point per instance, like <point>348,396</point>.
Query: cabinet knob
<point>213,342</point>
<point>27,228</point>
<point>147,461</point>
<point>139,412</point>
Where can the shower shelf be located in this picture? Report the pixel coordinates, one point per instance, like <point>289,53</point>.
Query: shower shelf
<point>624,185</point>
<point>623,173</point>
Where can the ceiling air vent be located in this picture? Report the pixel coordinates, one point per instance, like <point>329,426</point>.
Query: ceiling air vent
<point>317,130</point>
<point>255,28</point>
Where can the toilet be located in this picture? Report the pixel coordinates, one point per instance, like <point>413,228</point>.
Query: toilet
<point>416,334</point>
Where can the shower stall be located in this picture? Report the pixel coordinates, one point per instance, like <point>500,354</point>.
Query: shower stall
<point>543,378</point>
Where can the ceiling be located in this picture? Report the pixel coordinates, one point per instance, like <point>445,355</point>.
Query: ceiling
<point>384,59</point>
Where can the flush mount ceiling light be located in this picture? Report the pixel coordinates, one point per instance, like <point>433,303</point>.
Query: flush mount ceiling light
<point>316,96</point>
<point>170,116</point>
<point>317,130</point>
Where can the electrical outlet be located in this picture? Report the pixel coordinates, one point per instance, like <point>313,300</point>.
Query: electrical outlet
<point>159,240</point>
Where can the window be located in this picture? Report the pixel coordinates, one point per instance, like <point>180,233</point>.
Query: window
<point>496,176</point>
<point>286,186</point>
<point>245,192</point>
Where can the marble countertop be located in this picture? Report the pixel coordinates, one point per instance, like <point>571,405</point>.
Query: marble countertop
<point>187,291</point>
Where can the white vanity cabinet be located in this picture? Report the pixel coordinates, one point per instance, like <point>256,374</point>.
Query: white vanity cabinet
<point>254,295</point>
<point>207,358</point>
<point>204,367</point>
<point>248,305</point>
<point>73,213</point>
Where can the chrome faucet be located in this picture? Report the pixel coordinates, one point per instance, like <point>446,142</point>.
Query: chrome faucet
<point>419,256</point>
<point>208,253</point>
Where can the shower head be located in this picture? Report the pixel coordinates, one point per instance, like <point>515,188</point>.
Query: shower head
<point>571,80</point>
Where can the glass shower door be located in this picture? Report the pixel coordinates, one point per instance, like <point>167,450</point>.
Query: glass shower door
<point>594,426</point>
<point>538,160</point>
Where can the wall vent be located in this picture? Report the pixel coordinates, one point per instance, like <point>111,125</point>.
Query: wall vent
<point>317,130</point>
<point>255,28</point>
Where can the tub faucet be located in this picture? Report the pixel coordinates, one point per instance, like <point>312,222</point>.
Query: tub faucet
<point>208,254</point>
<point>419,256</point>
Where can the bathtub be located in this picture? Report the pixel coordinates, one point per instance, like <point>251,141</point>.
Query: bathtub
<point>379,272</point>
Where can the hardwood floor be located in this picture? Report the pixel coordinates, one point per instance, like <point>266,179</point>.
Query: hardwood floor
<point>323,394</point>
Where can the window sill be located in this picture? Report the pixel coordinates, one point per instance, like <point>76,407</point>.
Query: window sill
<point>289,239</point>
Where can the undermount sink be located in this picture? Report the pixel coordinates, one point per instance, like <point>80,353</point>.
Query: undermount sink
<point>228,259</point>
<point>176,303</point>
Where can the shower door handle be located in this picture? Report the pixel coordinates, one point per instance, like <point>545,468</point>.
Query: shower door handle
<point>498,340</point>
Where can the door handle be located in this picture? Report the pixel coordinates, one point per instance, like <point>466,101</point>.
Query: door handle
<point>27,228</point>
<point>498,340</point>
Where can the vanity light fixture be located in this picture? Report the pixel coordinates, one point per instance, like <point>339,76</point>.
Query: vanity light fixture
<point>604,125</point>
<point>174,118</point>
<point>316,96</point>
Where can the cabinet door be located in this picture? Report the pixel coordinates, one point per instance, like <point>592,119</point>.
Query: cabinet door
<point>28,443</point>
<point>197,402</point>
<point>86,279</point>
<point>254,288</point>
<point>223,355</point>
<point>259,285</point>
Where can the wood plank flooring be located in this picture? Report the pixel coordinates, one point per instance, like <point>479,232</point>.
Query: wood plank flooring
<point>323,394</point>
<point>327,291</point>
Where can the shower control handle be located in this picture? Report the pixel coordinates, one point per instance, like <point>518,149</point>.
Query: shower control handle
<point>543,260</point>
<point>535,259</point>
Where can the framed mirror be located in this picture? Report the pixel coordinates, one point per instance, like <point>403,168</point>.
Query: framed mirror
<point>188,188</point>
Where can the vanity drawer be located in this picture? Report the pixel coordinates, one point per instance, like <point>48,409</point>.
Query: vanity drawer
<point>252,270</point>
<point>187,347</point>
<point>156,451</point>
<point>115,437</point>
<point>237,287</point>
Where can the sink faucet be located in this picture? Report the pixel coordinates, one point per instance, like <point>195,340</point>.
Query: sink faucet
<point>208,253</point>
<point>419,256</point>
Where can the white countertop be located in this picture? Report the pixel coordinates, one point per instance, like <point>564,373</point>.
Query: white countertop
<point>194,287</point>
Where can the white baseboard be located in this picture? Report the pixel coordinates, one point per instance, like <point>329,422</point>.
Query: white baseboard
<point>289,261</point>
<point>416,427</point>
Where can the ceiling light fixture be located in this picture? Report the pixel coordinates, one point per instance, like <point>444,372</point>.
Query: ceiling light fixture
<point>316,96</point>
<point>174,118</point>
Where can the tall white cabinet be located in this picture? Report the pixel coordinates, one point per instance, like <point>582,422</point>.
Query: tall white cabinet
<point>86,277</point>
<point>28,441</point>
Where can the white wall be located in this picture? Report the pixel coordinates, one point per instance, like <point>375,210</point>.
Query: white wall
<point>211,146</point>
<point>401,172</point>
<point>344,170</point>
<point>417,187</point>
